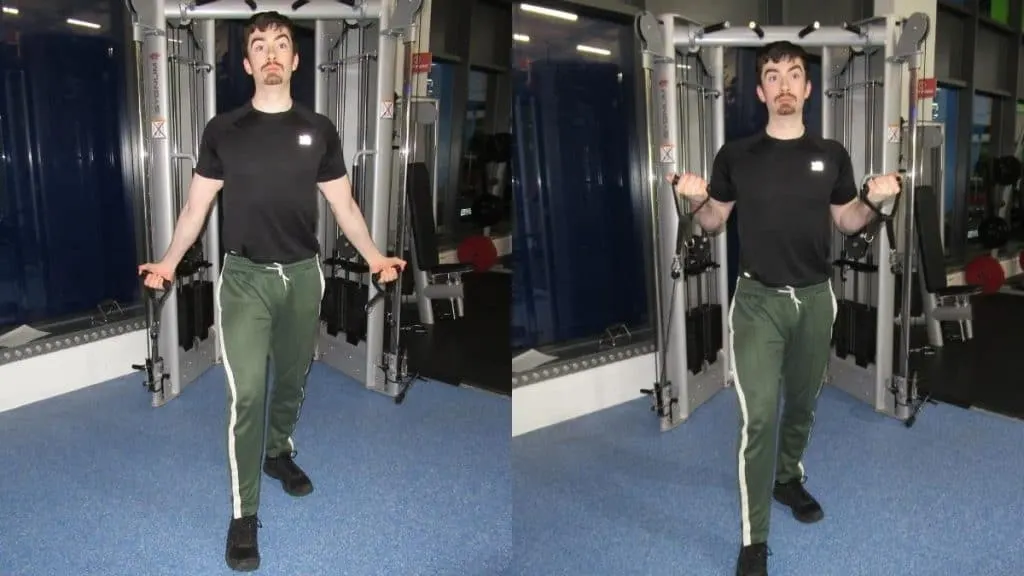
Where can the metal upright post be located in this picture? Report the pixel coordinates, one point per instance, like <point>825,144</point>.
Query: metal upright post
<point>717,65</point>
<point>660,151</point>
<point>321,76</point>
<point>208,38</point>
<point>163,214</point>
<point>908,51</point>
<point>377,211</point>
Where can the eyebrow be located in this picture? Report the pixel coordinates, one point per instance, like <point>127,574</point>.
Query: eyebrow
<point>791,68</point>
<point>278,37</point>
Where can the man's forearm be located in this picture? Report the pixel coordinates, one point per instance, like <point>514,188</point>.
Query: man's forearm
<point>708,216</point>
<point>855,217</point>
<point>190,224</point>
<point>353,225</point>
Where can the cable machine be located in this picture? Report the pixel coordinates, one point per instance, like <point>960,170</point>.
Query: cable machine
<point>356,45</point>
<point>684,77</point>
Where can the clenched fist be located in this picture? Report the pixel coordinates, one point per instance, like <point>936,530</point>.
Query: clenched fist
<point>689,186</point>
<point>883,188</point>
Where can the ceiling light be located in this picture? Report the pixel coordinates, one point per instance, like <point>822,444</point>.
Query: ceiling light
<point>520,37</point>
<point>83,23</point>
<point>539,10</point>
<point>592,50</point>
<point>10,11</point>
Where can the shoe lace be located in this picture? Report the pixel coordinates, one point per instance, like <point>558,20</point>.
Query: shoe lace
<point>757,554</point>
<point>246,536</point>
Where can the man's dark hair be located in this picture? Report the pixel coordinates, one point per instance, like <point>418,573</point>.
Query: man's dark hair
<point>264,20</point>
<point>777,52</point>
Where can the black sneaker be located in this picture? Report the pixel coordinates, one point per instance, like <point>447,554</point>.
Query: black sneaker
<point>243,552</point>
<point>805,508</point>
<point>293,479</point>
<point>753,560</point>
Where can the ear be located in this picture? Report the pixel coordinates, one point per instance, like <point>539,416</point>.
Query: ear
<point>760,94</point>
<point>247,66</point>
<point>807,91</point>
<point>295,62</point>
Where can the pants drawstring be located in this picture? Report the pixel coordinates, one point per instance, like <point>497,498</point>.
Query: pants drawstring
<point>792,296</point>
<point>280,272</point>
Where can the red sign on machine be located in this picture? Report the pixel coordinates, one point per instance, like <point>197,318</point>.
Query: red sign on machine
<point>926,88</point>
<point>421,62</point>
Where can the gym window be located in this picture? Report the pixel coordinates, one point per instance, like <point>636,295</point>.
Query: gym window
<point>68,238</point>
<point>580,283</point>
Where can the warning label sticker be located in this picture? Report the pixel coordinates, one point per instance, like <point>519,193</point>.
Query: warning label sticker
<point>158,130</point>
<point>387,109</point>
<point>668,154</point>
<point>892,135</point>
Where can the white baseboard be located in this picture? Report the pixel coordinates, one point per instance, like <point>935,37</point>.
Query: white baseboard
<point>48,375</point>
<point>549,402</point>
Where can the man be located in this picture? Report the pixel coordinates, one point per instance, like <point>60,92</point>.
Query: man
<point>782,313</point>
<point>269,156</point>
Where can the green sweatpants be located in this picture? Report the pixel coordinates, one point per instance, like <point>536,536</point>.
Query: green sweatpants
<point>780,339</point>
<point>265,311</point>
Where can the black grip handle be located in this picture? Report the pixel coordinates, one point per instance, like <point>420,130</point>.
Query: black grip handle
<point>716,27</point>
<point>375,280</point>
<point>164,286</point>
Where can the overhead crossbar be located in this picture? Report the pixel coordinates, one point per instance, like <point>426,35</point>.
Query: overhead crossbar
<point>753,35</point>
<point>302,10</point>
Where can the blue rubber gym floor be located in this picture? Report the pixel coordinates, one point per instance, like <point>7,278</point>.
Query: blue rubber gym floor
<point>97,482</point>
<point>608,494</point>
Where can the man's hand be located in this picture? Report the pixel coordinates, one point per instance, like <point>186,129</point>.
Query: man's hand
<point>388,268</point>
<point>155,274</point>
<point>883,188</point>
<point>690,186</point>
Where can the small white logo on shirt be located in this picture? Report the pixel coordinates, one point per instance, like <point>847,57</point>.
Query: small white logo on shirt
<point>305,140</point>
<point>817,166</point>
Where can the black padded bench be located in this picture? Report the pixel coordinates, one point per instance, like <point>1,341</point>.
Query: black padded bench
<point>952,303</point>
<point>432,280</point>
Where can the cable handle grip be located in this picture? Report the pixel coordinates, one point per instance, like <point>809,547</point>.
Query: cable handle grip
<point>675,182</point>
<point>165,286</point>
<point>375,280</point>
<point>887,208</point>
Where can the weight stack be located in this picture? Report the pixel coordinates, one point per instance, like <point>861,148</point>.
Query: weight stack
<point>695,340</point>
<point>841,333</point>
<point>354,318</point>
<point>202,295</point>
<point>866,319</point>
<point>186,316</point>
<point>713,326</point>
<point>332,305</point>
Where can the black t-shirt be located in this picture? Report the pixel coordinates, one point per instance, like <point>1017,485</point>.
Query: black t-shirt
<point>270,165</point>
<point>783,189</point>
